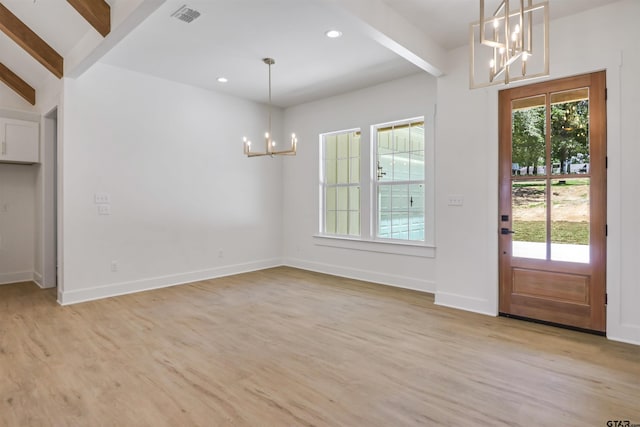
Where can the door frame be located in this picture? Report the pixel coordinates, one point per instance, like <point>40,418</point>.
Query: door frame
<point>50,219</point>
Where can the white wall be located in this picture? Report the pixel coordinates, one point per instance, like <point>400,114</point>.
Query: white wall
<point>27,258</point>
<point>185,202</point>
<point>467,132</point>
<point>400,99</point>
<point>18,185</point>
<point>12,101</point>
<point>17,222</point>
<point>467,165</point>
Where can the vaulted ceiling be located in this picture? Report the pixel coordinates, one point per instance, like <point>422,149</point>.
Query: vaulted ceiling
<point>382,40</point>
<point>17,24</point>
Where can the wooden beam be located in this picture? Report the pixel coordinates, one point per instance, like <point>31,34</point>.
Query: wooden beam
<point>96,12</point>
<point>21,87</point>
<point>29,41</point>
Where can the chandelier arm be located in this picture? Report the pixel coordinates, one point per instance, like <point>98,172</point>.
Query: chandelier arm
<point>509,43</point>
<point>520,44</point>
<point>270,149</point>
<point>507,30</point>
<point>529,29</point>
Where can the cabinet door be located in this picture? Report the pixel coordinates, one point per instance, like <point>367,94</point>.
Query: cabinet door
<point>20,142</point>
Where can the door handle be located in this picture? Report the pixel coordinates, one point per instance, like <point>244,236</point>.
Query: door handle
<point>506,231</point>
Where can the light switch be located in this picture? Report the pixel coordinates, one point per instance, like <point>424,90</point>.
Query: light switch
<point>456,200</point>
<point>104,209</point>
<point>101,198</point>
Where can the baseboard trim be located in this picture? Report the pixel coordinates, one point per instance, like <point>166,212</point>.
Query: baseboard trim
<point>629,334</point>
<point>16,277</point>
<point>37,278</point>
<point>366,275</point>
<point>124,288</point>
<point>462,302</point>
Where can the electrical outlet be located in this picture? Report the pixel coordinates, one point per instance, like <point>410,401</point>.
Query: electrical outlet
<point>220,253</point>
<point>101,198</point>
<point>114,266</point>
<point>104,209</point>
<point>456,200</point>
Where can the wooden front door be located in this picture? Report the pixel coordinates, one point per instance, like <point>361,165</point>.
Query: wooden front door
<point>552,220</point>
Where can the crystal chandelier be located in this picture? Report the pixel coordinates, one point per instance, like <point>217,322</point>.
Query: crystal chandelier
<point>270,144</point>
<point>509,33</point>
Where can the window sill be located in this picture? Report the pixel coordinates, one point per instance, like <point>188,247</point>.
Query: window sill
<point>396,248</point>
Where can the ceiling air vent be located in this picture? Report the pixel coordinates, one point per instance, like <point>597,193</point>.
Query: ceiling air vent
<point>186,14</point>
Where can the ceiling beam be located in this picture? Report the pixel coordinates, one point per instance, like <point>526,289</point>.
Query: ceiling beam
<point>132,13</point>
<point>390,29</point>
<point>21,87</point>
<point>29,41</point>
<point>96,12</point>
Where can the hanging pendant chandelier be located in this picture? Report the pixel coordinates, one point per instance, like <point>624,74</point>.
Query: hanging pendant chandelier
<point>509,35</point>
<point>271,148</point>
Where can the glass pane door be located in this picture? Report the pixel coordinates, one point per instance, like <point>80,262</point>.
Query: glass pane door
<point>553,201</point>
<point>550,174</point>
<point>528,164</point>
<point>570,201</point>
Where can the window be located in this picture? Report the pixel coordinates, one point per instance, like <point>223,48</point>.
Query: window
<point>340,182</point>
<point>399,180</point>
<point>378,196</point>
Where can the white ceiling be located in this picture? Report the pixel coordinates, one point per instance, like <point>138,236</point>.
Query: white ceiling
<point>231,37</point>
<point>37,16</point>
<point>446,21</point>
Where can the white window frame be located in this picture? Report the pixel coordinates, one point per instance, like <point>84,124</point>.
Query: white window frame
<point>368,198</point>
<point>377,183</point>
<point>324,185</point>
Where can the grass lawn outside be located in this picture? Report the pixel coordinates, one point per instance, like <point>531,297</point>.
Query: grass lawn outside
<point>576,233</point>
<point>569,204</point>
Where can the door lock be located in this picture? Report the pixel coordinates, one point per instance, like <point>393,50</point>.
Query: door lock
<point>506,231</point>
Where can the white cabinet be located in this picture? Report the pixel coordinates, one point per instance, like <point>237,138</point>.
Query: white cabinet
<point>20,141</point>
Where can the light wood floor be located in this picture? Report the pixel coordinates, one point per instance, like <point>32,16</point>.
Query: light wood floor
<point>285,347</point>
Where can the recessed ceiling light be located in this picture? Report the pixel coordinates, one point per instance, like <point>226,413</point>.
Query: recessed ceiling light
<point>222,80</point>
<point>333,34</point>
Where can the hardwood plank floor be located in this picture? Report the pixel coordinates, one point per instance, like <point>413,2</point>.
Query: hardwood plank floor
<point>285,347</point>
